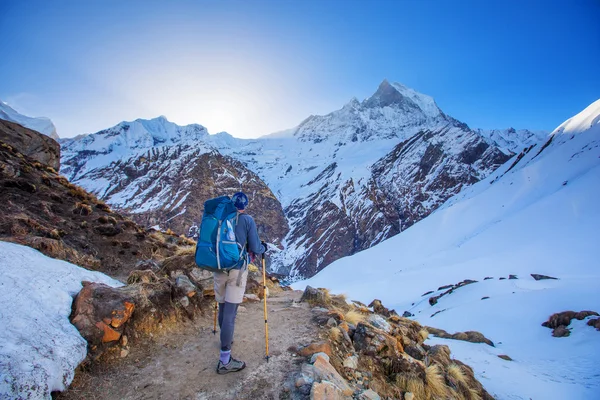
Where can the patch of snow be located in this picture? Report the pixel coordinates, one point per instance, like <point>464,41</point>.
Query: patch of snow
<point>39,347</point>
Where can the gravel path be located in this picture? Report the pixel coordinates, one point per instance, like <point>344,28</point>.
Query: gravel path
<point>182,365</point>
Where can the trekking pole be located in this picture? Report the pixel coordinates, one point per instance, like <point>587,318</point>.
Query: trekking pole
<point>265,303</point>
<point>215,319</point>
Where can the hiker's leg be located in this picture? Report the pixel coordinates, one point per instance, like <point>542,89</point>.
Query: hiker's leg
<point>221,311</point>
<point>220,286</point>
<point>228,325</point>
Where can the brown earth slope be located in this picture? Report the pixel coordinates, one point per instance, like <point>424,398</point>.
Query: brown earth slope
<point>41,209</point>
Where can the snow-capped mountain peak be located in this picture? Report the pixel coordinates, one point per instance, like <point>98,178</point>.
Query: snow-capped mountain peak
<point>42,125</point>
<point>395,94</point>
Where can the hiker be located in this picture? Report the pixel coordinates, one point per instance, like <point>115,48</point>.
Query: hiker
<point>230,287</point>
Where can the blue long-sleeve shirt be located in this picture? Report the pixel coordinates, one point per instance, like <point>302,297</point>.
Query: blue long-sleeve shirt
<point>246,233</point>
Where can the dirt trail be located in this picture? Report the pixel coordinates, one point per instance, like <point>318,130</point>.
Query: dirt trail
<point>182,365</point>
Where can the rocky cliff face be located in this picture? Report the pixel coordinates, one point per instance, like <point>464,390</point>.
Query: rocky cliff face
<point>346,180</point>
<point>30,143</point>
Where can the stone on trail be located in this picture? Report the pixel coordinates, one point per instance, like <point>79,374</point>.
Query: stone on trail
<point>251,298</point>
<point>409,396</point>
<point>325,391</point>
<point>351,362</point>
<point>369,395</point>
<point>326,372</point>
<point>316,355</point>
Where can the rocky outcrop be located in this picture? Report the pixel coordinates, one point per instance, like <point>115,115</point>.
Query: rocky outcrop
<point>30,143</point>
<point>560,321</point>
<point>371,356</point>
<point>41,209</point>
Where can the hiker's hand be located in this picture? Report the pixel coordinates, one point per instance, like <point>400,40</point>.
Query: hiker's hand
<point>264,245</point>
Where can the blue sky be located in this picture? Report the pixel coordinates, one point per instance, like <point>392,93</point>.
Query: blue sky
<point>255,67</point>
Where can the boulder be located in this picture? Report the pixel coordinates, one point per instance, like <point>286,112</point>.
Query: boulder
<point>325,391</point>
<point>594,323</point>
<point>316,355</point>
<point>198,275</point>
<point>379,322</point>
<point>561,331</point>
<point>325,372</point>
<point>369,395</point>
<point>564,318</point>
<point>379,308</point>
<point>375,342</point>
<point>315,296</point>
<point>100,311</point>
<point>351,362</point>
<point>185,287</point>
<point>252,298</point>
<point>539,277</point>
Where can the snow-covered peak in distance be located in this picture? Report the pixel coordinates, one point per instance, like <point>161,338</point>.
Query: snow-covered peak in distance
<point>42,125</point>
<point>140,134</point>
<point>511,139</point>
<point>395,94</point>
<point>390,113</point>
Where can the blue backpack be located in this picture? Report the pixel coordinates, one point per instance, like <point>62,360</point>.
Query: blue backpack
<point>217,248</point>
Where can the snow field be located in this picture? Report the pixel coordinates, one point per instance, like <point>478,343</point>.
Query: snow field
<point>39,347</point>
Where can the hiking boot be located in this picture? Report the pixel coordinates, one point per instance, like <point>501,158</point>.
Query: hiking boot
<point>232,366</point>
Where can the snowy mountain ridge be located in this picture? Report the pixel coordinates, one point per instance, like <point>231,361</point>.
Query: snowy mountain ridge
<point>40,124</point>
<point>366,171</point>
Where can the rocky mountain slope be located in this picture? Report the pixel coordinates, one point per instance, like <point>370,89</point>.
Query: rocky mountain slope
<point>30,143</point>
<point>346,181</point>
<point>160,174</point>
<point>43,210</point>
<point>42,125</point>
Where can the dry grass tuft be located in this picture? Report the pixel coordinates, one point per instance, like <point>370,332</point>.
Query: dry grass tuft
<point>82,209</point>
<point>394,318</point>
<point>50,169</point>
<point>456,372</point>
<point>145,276</point>
<point>77,191</point>
<point>185,251</point>
<point>412,383</point>
<point>335,334</point>
<point>474,394</point>
<point>436,383</point>
<point>252,268</point>
<point>159,236</point>
<point>354,317</point>
<point>423,335</point>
